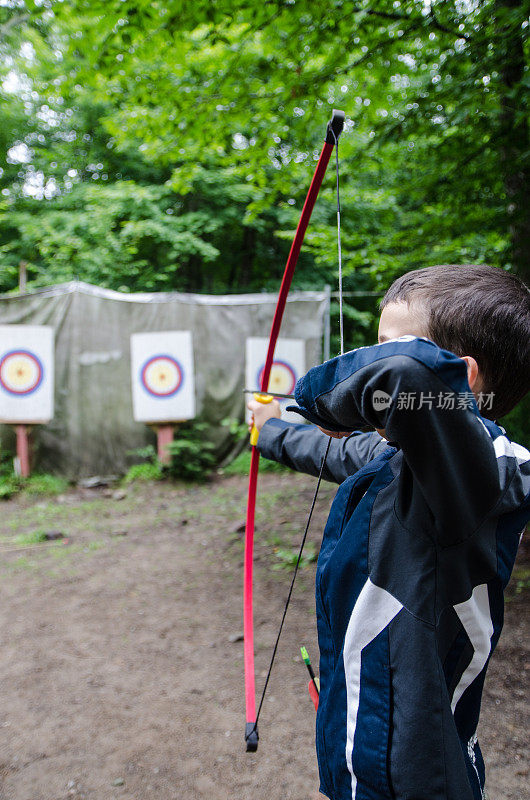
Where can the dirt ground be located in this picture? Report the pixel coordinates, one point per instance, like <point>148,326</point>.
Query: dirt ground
<point>121,663</point>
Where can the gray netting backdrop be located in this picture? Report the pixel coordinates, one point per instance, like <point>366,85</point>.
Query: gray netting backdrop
<point>93,428</point>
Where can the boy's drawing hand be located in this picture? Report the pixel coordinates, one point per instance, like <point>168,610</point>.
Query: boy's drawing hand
<point>262,412</point>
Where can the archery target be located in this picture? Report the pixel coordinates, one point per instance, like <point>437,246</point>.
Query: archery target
<point>288,366</point>
<point>21,372</point>
<point>163,387</point>
<point>26,373</point>
<point>162,376</point>
<point>282,378</point>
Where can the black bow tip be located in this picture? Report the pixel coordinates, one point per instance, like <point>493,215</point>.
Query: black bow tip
<point>335,126</point>
<point>251,737</point>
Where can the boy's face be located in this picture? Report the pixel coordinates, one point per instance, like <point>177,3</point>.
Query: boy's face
<point>397,319</point>
<point>401,319</point>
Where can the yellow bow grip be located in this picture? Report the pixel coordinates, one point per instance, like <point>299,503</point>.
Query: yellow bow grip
<point>261,398</point>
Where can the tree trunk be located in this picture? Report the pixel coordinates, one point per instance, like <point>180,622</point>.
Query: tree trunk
<point>248,252</point>
<point>510,15</point>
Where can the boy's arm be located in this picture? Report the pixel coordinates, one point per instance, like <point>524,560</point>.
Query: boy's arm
<point>302,448</point>
<point>448,451</point>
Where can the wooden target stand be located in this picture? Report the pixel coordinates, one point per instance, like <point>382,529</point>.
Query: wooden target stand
<point>22,460</point>
<point>165,434</point>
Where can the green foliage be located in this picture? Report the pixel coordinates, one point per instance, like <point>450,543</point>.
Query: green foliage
<point>36,484</point>
<point>192,457</point>
<point>10,483</point>
<point>436,97</point>
<point>517,423</point>
<point>238,429</point>
<point>169,146</point>
<point>147,453</point>
<point>192,454</point>
<point>44,484</point>
<point>133,242</point>
<point>150,471</point>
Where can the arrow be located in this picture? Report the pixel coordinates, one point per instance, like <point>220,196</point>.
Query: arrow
<point>314,683</point>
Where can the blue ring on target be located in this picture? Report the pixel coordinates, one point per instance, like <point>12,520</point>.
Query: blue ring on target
<point>36,383</point>
<point>172,390</point>
<point>291,373</point>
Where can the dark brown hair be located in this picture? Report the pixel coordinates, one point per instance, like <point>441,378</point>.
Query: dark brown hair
<point>479,311</point>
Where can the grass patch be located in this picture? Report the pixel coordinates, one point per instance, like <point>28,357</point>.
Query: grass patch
<point>521,579</point>
<point>70,556</point>
<point>287,557</point>
<point>9,485</point>
<point>44,484</point>
<point>91,546</point>
<point>35,537</point>
<point>143,472</point>
<point>37,484</point>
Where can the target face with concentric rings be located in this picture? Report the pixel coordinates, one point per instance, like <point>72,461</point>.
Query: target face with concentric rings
<point>288,365</point>
<point>161,376</point>
<point>163,385</point>
<point>282,378</point>
<point>21,372</point>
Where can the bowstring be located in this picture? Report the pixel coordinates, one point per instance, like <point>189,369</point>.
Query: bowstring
<point>339,248</point>
<point>322,466</point>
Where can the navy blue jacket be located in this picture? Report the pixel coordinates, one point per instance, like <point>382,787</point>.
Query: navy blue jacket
<point>418,548</point>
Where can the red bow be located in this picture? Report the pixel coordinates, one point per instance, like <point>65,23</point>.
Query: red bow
<point>333,132</point>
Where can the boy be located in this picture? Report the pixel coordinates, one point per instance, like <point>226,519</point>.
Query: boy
<point>423,533</point>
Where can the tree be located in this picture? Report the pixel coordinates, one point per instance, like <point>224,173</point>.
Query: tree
<point>154,145</point>
<point>237,93</point>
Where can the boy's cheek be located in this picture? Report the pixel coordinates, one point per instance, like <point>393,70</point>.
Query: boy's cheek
<point>382,433</point>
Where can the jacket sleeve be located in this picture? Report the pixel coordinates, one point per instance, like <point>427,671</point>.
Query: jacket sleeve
<point>302,447</point>
<point>420,395</point>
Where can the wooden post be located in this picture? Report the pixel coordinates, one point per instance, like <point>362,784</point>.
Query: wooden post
<point>22,451</point>
<point>164,436</point>
<point>22,276</point>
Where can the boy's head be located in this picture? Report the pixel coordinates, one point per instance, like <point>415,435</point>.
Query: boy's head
<point>475,311</point>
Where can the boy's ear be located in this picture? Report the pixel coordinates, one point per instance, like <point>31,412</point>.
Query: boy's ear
<point>472,371</point>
